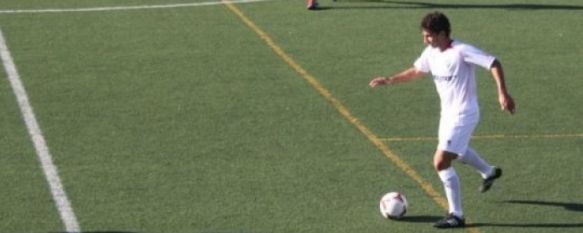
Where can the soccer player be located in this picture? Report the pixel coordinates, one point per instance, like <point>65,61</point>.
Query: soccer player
<point>452,65</point>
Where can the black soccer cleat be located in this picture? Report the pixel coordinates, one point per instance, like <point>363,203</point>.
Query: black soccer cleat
<point>488,182</point>
<point>450,221</point>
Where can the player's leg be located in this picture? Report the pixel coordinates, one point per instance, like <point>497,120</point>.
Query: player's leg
<point>454,139</point>
<point>474,160</point>
<point>489,173</point>
<point>442,163</point>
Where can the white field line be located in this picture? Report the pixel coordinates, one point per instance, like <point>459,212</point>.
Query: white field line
<point>59,196</point>
<point>121,8</point>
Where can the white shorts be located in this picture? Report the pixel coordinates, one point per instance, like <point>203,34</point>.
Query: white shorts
<point>455,134</point>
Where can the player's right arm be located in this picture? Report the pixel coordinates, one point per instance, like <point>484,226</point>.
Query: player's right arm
<point>506,101</point>
<point>405,76</point>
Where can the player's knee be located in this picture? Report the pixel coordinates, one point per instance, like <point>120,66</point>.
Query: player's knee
<point>439,165</point>
<point>442,160</point>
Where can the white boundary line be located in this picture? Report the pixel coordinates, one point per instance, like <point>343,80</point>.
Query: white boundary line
<point>122,8</point>
<point>59,196</point>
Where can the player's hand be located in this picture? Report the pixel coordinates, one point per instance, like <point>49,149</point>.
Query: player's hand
<point>507,103</point>
<point>378,81</point>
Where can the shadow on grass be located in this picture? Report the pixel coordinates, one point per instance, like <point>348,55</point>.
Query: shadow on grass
<point>567,205</point>
<point>571,206</point>
<point>420,219</point>
<point>102,232</point>
<point>203,231</point>
<point>430,5</point>
<point>528,225</point>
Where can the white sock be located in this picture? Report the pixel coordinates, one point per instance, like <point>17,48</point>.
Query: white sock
<point>472,158</point>
<point>451,183</point>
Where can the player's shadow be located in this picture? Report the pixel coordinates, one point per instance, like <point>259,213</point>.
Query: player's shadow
<point>571,206</point>
<point>527,225</point>
<point>420,218</point>
<point>101,232</point>
<point>390,4</point>
<point>567,205</point>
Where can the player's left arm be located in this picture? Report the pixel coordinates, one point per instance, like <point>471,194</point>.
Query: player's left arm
<point>506,101</point>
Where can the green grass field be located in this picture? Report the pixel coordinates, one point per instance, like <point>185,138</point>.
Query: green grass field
<point>183,119</point>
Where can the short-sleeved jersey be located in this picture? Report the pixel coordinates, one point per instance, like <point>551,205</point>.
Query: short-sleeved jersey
<point>454,76</point>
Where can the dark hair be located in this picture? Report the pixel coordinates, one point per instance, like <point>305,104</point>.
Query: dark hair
<point>436,22</point>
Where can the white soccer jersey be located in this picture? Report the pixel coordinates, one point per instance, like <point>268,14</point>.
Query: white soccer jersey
<point>454,76</point>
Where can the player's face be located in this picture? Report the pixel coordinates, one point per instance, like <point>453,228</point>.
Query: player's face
<point>429,38</point>
<point>434,40</point>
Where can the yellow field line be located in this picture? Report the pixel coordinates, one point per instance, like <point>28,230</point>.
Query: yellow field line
<point>343,110</point>
<point>494,136</point>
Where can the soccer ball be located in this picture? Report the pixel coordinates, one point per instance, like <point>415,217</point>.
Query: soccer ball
<point>393,205</point>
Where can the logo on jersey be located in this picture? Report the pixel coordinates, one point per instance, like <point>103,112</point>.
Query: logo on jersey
<point>443,78</point>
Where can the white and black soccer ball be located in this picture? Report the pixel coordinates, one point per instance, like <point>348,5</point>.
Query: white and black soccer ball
<point>393,205</point>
